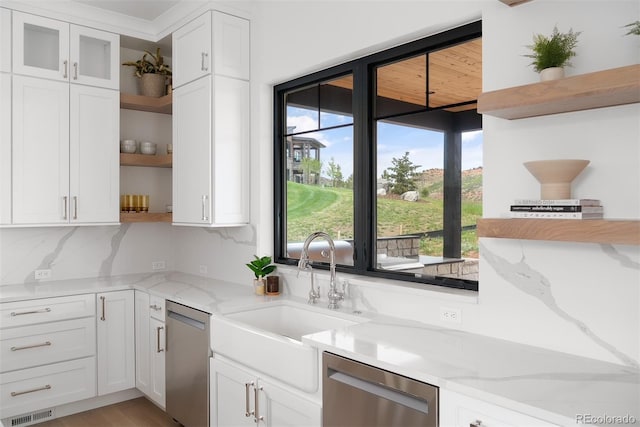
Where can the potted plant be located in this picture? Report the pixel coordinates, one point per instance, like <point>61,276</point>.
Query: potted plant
<point>634,28</point>
<point>261,267</point>
<point>551,54</point>
<point>153,73</point>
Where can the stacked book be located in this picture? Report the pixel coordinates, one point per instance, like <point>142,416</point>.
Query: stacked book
<point>558,209</point>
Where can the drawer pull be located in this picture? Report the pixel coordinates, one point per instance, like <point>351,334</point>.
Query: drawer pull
<point>158,349</point>
<point>20,313</point>
<point>25,347</point>
<point>155,307</point>
<point>477,423</point>
<point>103,318</point>
<point>18,393</point>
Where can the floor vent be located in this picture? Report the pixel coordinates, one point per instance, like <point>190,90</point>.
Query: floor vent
<point>29,419</point>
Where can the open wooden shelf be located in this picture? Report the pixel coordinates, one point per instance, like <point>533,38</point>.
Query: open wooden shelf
<point>607,88</point>
<point>145,103</point>
<point>145,217</point>
<point>625,232</point>
<point>162,161</point>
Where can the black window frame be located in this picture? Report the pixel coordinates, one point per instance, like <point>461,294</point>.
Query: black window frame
<point>363,71</point>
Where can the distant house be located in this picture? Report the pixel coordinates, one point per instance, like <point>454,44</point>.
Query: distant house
<point>299,148</point>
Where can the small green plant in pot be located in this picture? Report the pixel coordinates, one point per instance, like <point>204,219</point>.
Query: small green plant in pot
<point>261,267</point>
<point>153,73</point>
<point>551,54</point>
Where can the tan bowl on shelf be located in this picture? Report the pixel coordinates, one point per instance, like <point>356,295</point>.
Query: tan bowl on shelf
<point>555,176</point>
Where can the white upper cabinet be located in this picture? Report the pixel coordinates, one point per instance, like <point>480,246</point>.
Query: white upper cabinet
<point>215,42</point>
<point>56,50</point>
<point>231,41</point>
<point>192,51</point>
<point>5,148</point>
<point>5,40</point>
<point>40,151</point>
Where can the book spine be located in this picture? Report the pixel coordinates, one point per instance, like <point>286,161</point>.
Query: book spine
<point>556,215</point>
<point>558,208</point>
<point>552,202</point>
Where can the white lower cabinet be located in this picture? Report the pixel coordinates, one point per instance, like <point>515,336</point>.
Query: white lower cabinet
<point>150,346</point>
<point>116,341</point>
<point>240,397</point>
<point>457,410</point>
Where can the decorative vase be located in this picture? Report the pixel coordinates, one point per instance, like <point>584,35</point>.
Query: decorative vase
<point>552,73</point>
<point>153,85</point>
<point>259,285</point>
<point>273,285</point>
<point>555,176</point>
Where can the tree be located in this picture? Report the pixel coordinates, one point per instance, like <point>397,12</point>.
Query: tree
<point>348,183</point>
<point>334,171</point>
<point>401,175</point>
<point>311,166</point>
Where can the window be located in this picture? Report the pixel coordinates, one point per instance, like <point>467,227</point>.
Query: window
<point>384,154</point>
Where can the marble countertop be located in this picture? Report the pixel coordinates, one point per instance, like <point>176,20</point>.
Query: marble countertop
<point>549,385</point>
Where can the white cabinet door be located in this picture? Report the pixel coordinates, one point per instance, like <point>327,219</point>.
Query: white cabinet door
<point>192,51</point>
<point>5,40</point>
<point>231,41</point>
<point>5,147</point>
<point>457,410</point>
<point>281,407</point>
<point>157,334</point>
<point>192,152</point>
<point>40,154</point>
<point>94,160</point>
<point>116,344</point>
<point>231,395</point>
<point>231,151</point>
<point>40,47</point>
<point>143,340</point>
<point>94,57</point>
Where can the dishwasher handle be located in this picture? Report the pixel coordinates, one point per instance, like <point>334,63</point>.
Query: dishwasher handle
<point>186,320</point>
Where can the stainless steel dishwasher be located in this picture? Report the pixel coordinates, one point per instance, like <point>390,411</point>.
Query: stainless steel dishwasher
<point>359,395</point>
<point>187,365</point>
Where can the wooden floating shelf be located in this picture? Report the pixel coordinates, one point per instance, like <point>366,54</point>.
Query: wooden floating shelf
<point>625,232</point>
<point>163,161</point>
<point>607,88</point>
<point>145,217</point>
<point>145,103</point>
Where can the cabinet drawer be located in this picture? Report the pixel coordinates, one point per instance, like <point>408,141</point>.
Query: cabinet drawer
<point>156,307</point>
<point>35,345</point>
<point>46,386</point>
<point>46,310</point>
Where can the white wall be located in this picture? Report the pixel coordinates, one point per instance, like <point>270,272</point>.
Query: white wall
<point>575,298</point>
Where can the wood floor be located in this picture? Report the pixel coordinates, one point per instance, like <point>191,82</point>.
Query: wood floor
<point>132,413</point>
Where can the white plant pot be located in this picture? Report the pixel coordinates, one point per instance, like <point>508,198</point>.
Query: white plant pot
<point>553,73</point>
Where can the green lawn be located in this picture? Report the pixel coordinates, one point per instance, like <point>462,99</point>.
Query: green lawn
<point>312,208</point>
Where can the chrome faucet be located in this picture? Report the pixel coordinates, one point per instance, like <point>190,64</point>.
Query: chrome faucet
<point>334,295</point>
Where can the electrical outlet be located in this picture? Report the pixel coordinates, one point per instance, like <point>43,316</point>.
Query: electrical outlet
<point>451,315</point>
<point>158,265</point>
<point>42,274</point>
<point>204,269</point>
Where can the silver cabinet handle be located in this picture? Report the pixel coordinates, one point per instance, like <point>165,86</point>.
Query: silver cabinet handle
<point>75,207</point>
<point>158,349</point>
<point>64,202</point>
<point>155,307</point>
<point>75,71</point>
<point>21,313</point>
<point>476,423</point>
<point>103,318</point>
<point>65,63</point>
<point>247,413</point>
<point>204,208</point>
<point>203,65</point>
<point>258,417</point>
<point>18,393</point>
<point>25,347</point>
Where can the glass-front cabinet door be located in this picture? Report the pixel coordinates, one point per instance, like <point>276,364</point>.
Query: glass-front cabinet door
<point>57,50</point>
<point>40,47</point>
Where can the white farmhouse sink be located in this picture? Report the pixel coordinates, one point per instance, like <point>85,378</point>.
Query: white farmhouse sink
<point>269,339</point>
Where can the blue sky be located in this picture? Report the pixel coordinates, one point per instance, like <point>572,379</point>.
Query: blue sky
<point>425,147</point>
